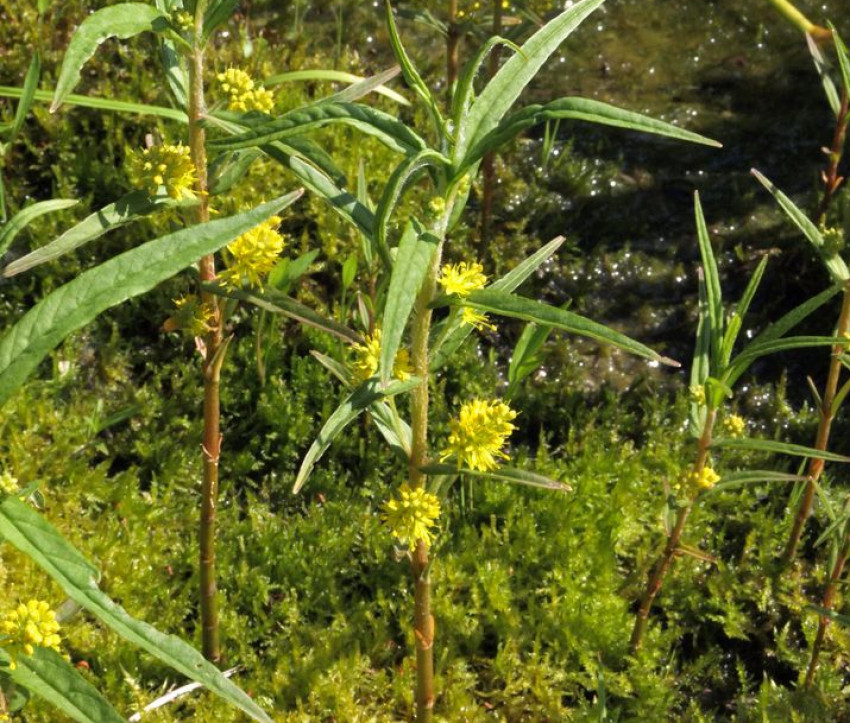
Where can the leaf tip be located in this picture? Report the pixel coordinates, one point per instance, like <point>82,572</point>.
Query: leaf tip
<point>667,361</point>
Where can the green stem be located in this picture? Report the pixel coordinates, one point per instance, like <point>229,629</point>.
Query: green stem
<point>212,359</point>
<point>797,18</point>
<point>662,564</point>
<point>827,414</point>
<point>831,180</point>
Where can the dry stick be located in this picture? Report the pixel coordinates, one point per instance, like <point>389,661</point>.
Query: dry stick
<point>452,40</point>
<point>488,170</point>
<point>212,358</point>
<point>659,570</point>
<point>831,181</point>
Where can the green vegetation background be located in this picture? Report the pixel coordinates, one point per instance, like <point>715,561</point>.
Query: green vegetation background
<point>533,591</point>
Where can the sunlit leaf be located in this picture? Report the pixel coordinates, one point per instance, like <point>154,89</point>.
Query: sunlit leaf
<point>26,216</point>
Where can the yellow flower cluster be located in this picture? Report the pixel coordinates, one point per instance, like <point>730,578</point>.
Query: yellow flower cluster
<point>697,394</point>
<point>477,436</point>
<point>9,484</point>
<point>193,316</point>
<point>476,318</point>
<point>242,93</point>
<point>254,254</point>
<point>734,425</point>
<point>368,359</point>
<point>169,166</point>
<point>705,479</point>
<point>412,515</point>
<point>183,20</point>
<point>461,280</point>
<point>28,625</point>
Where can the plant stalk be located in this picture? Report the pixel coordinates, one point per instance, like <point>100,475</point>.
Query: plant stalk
<point>212,358</point>
<point>452,42</point>
<point>827,414</point>
<point>659,570</point>
<point>797,18</point>
<point>831,180</point>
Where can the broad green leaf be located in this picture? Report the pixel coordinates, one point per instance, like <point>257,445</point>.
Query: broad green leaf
<point>26,216</point>
<point>132,273</point>
<point>518,307</point>
<point>116,21</point>
<point>713,292</point>
<point>415,256</point>
<point>84,101</point>
<point>733,328</point>
<point>752,476</point>
<point>405,173</point>
<point>29,532</point>
<point>27,95</point>
<point>770,445</point>
<point>501,474</point>
<point>386,128</point>
<point>352,406</point>
<point>218,12</point>
<point>49,676</point>
<point>507,85</point>
<point>454,332</point>
<point>833,262</point>
<point>580,109</point>
<point>128,208</point>
<point>822,67</point>
<point>334,76</point>
<point>274,301</point>
<point>759,349</point>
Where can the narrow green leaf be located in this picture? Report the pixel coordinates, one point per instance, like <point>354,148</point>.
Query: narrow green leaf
<point>733,328</point>
<point>838,617</point>
<point>843,59</point>
<point>713,292</point>
<point>121,21</point>
<point>386,128</point>
<point>395,431</point>
<point>526,356</point>
<point>788,321</point>
<point>274,301</point>
<point>770,445</point>
<point>132,273</point>
<point>284,274</point>
<point>580,109</point>
<point>334,76</point>
<point>454,332</point>
<point>84,101</point>
<point>50,677</point>
<point>415,256</point>
<point>758,349</point>
<point>27,95</point>
<point>833,262</point>
<point>701,367</point>
<point>352,406</point>
<point>174,67</point>
<point>752,476</point>
<point>218,12</point>
<point>336,368</point>
<point>518,307</point>
<point>840,397</point>
<point>501,474</point>
<point>505,87</point>
<point>229,168</point>
<point>128,208</point>
<point>362,88</point>
<point>30,533</point>
<point>822,67</point>
<point>26,216</point>
<point>405,173</point>
<point>2,197</point>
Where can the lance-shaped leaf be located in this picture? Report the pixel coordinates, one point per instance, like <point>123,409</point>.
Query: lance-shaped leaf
<point>334,76</point>
<point>701,367</point>
<point>453,332</point>
<point>116,21</point>
<point>787,322</point>
<point>822,68</point>
<point>352,407</point>
<point>126,209</point>
<point>713,293</point>
<point>756,350</point>
<point>507,85</point>
<point>518,307</point>
<point>278,303</point>
<point>843,57</point>
<point>752,476</point>
<point>26,216</point>
<point>527,355</point>
<point>580,109</point>
<point>386,128</point>
<point>218,11</point>
<point>27,96</point>
<point>501,474</point>
<point>733,328</point>
<point>404,174</point>
<point>415,256</point>
<point>50,677</point>
<point>29,532</point>
<point>770,445</point>
<point>132,273</point>
<point>833,262</point>
<point>85,101</point>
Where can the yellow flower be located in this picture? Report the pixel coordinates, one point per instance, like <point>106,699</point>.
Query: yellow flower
<point>243,95</point>
<point>476,318</point>
<point>705,479</point>
<point>697,394</point>
<point>28,625</point>
<point>193,316</point>
<point>168,166</point>
<point>183,20</point>
<point>412,515</point>
<point>9,484</point>
<point>462,279</point>
<point>477,436</point>
<point>734,425</point>
<point>254,254</point>
<point>368,360</point>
